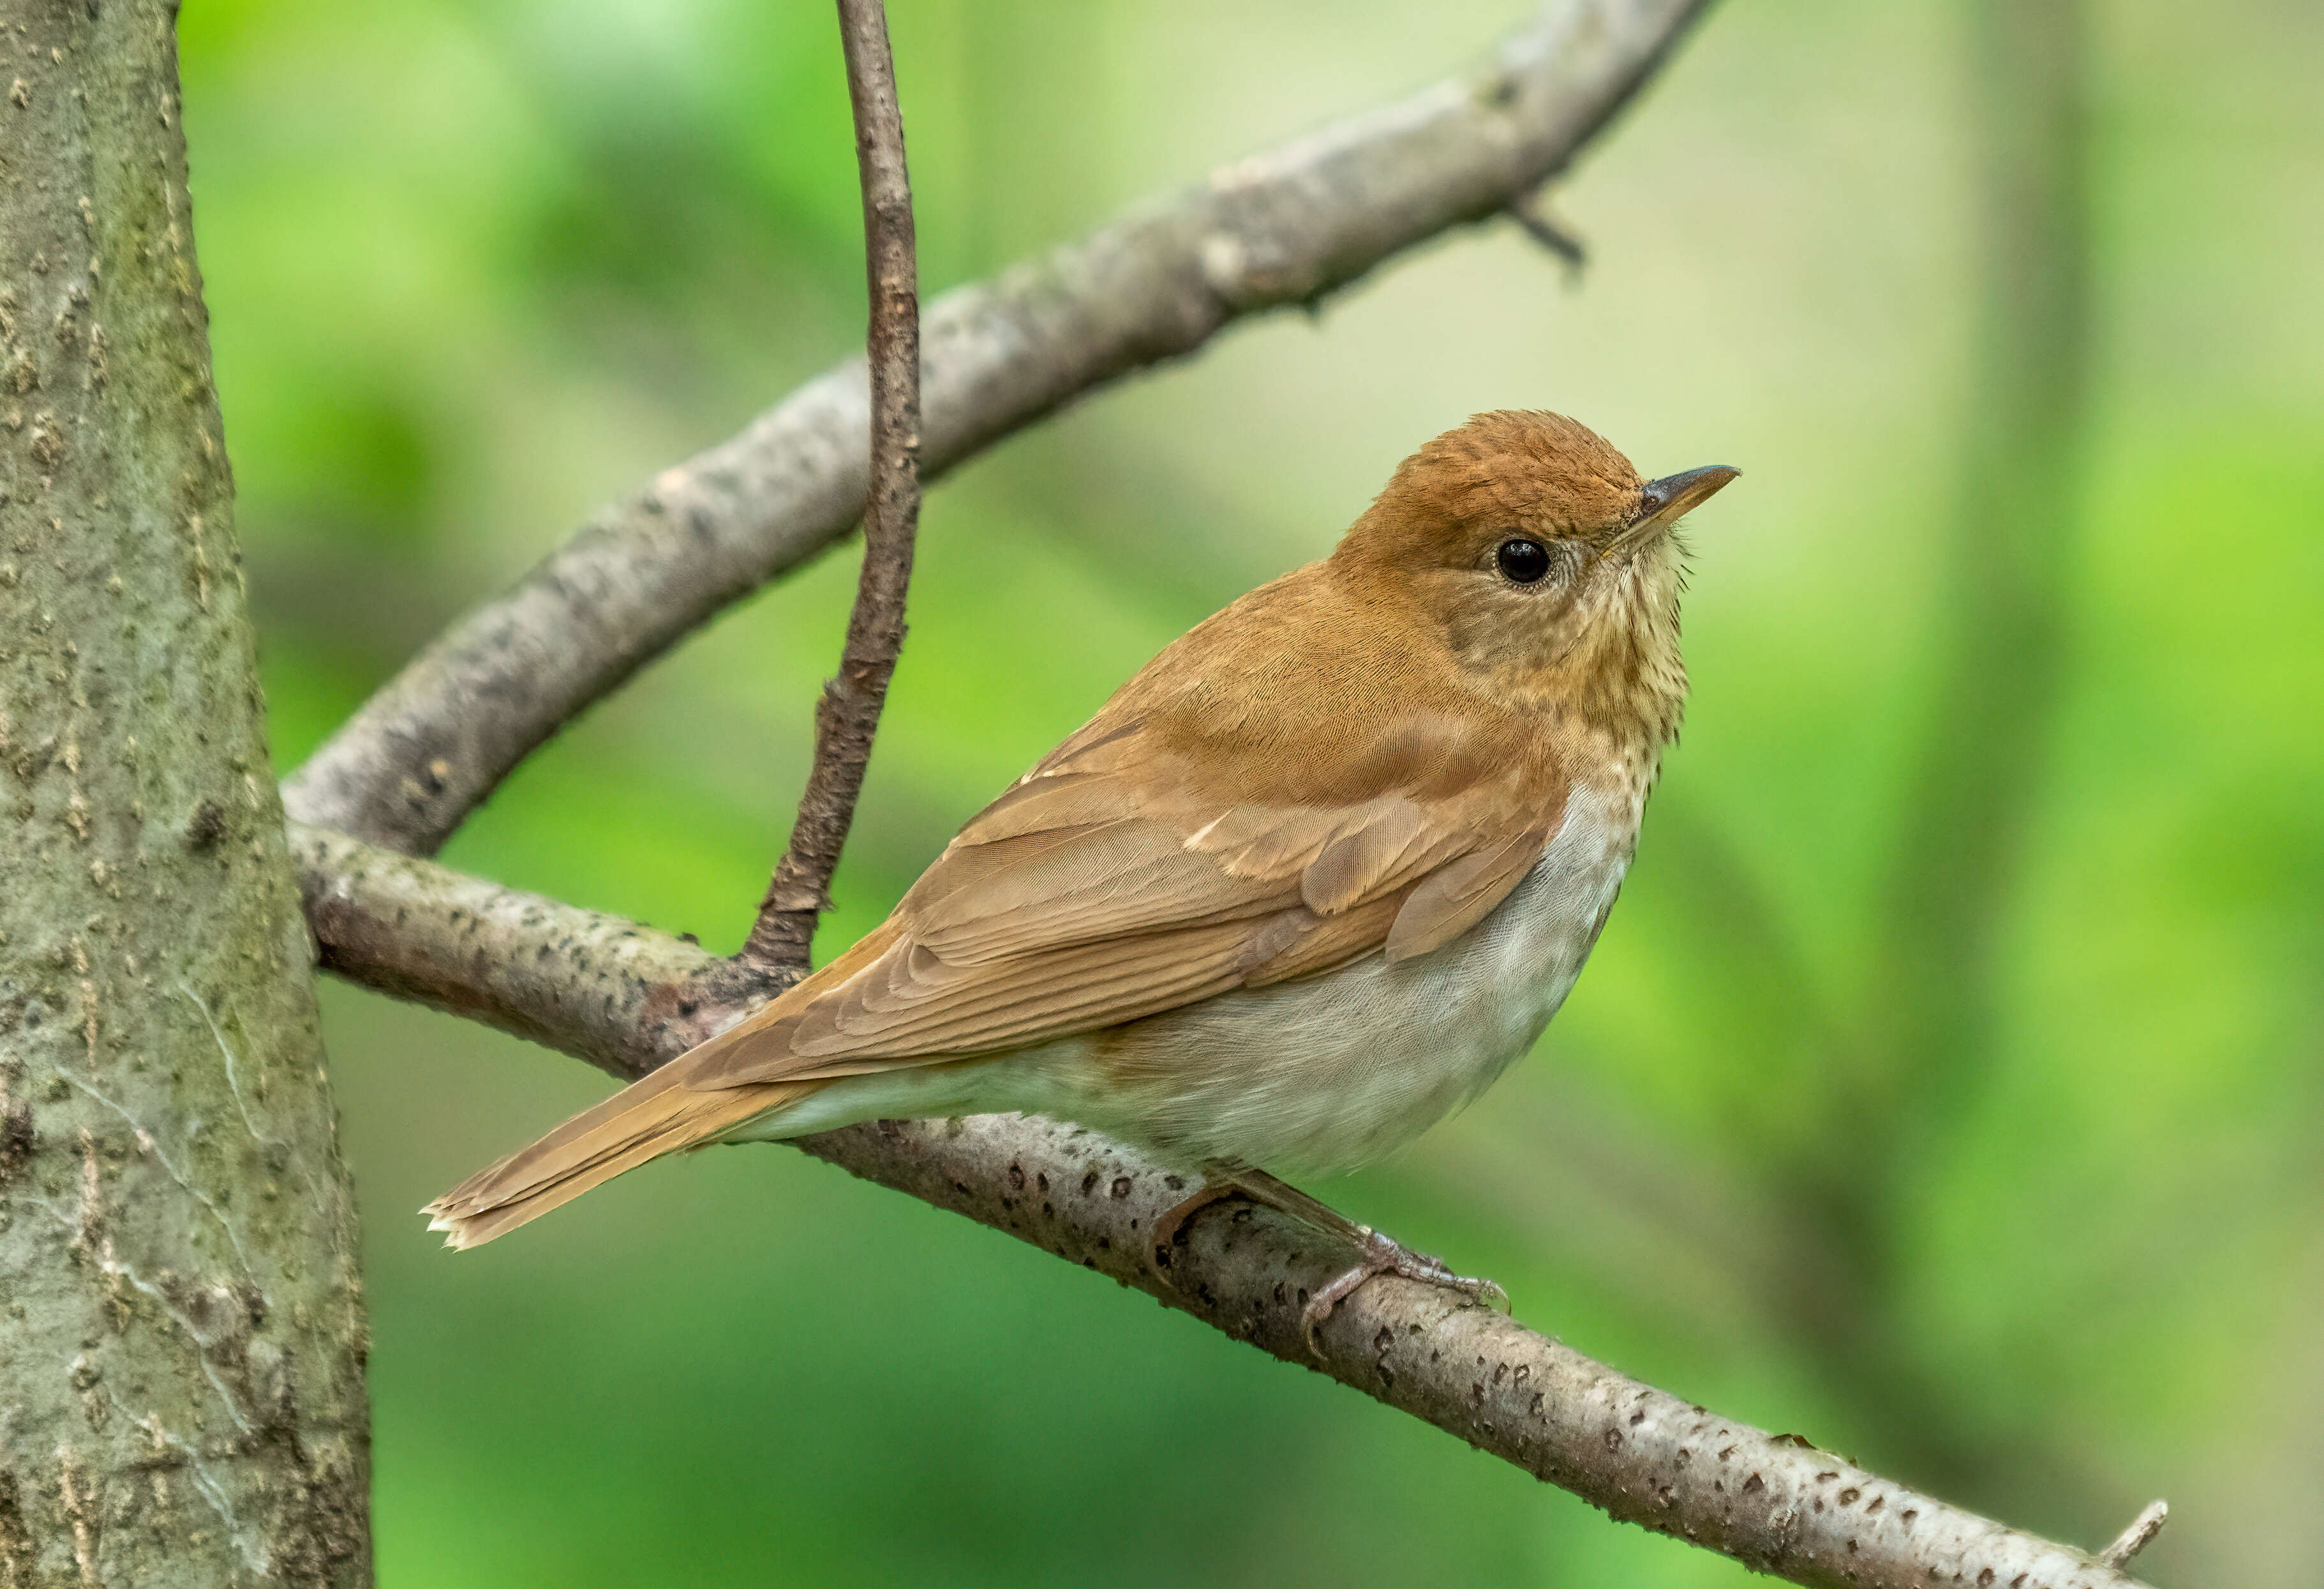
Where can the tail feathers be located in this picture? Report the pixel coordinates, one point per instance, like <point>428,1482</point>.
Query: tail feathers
<point>645,1120</point>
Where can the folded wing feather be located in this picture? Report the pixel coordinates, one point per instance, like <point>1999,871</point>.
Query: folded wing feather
<point>1108,888</point>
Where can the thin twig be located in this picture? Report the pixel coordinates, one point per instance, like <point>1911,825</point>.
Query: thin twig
<point>847,717</point>
<point>2138,1536</point>
<point>1286,226</point>
<point>627,998</point>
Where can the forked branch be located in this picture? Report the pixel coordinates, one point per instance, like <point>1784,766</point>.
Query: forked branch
<point>847,718</point>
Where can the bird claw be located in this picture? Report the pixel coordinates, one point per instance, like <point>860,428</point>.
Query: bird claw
<point>1171,1222</point>
<point>1383,1256</point>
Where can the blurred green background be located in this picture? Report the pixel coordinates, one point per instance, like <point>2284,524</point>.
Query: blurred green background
<point>477,268</point>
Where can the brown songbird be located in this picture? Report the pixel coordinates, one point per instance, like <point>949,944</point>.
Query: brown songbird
<point>1303,886</point>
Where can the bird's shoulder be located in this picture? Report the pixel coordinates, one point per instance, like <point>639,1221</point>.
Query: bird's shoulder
<point>1312,688</point>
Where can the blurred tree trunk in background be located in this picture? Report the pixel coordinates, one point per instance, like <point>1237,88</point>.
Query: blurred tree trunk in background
<point>182,1336</point>
<point>1925,1035</point>
<point>2002,653</point>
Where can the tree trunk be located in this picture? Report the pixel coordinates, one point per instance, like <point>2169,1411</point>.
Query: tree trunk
<point>182,1329</point>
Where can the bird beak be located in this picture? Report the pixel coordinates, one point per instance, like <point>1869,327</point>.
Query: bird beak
<point>1664,503</point>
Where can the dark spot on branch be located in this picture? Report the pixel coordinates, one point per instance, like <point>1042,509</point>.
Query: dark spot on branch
<point>206,827</point>
<point>17,1138</point>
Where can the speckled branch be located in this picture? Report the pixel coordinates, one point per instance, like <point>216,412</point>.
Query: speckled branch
<point>847,717</point>
<point>1283,227</point>
<point>626,998</point>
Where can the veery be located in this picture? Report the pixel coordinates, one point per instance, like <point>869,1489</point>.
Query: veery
<point>1305,885</point>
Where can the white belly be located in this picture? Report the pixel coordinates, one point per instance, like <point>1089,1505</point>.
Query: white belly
<point>1316,1074</point>
<point>1333,1072</point>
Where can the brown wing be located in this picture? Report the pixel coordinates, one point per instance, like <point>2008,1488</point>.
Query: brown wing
<point>1122,878</point>
<point>1114,883</point>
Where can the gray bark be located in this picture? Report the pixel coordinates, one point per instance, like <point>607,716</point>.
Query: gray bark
<point>181,1329</point>
<point>627,998</point>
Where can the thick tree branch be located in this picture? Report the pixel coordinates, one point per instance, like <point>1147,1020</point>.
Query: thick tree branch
<point>626,998</point>
<point>1283,227</point>
<point>620,995</point>
<point>182,1317</point>
<point>848,717</point>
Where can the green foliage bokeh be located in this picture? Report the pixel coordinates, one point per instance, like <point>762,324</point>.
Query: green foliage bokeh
<point>476,269</point>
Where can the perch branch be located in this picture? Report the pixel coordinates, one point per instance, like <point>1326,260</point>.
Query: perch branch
<point>1284,227</point>
<point>847,718</point>
<point>625,998</point>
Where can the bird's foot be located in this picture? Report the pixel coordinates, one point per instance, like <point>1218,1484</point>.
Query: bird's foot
<point>1382,1256</point>
<point>1377,1253</point>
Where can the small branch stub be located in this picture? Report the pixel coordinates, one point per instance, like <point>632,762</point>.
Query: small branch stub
<point>1533,218</point>
<point>847,717</point>
<point>2138,1536</point>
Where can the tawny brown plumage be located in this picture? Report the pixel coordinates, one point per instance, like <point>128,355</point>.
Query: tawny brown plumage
<point>1351,768</point>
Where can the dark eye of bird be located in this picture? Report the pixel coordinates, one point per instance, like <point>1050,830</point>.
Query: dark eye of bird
<point>1524,561</point>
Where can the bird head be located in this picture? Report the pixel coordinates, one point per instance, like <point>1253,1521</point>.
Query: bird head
<point>1544,562</point>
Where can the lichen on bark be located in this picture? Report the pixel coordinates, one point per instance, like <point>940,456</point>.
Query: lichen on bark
<point>181,1330</point>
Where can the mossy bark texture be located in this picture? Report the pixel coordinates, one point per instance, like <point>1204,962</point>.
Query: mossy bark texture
<point>181,1330</point>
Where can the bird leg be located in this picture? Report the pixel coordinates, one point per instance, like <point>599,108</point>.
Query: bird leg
<point>1376,1254</point>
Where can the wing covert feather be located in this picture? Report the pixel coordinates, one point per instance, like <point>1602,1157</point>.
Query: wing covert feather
<point>1458,895</point>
